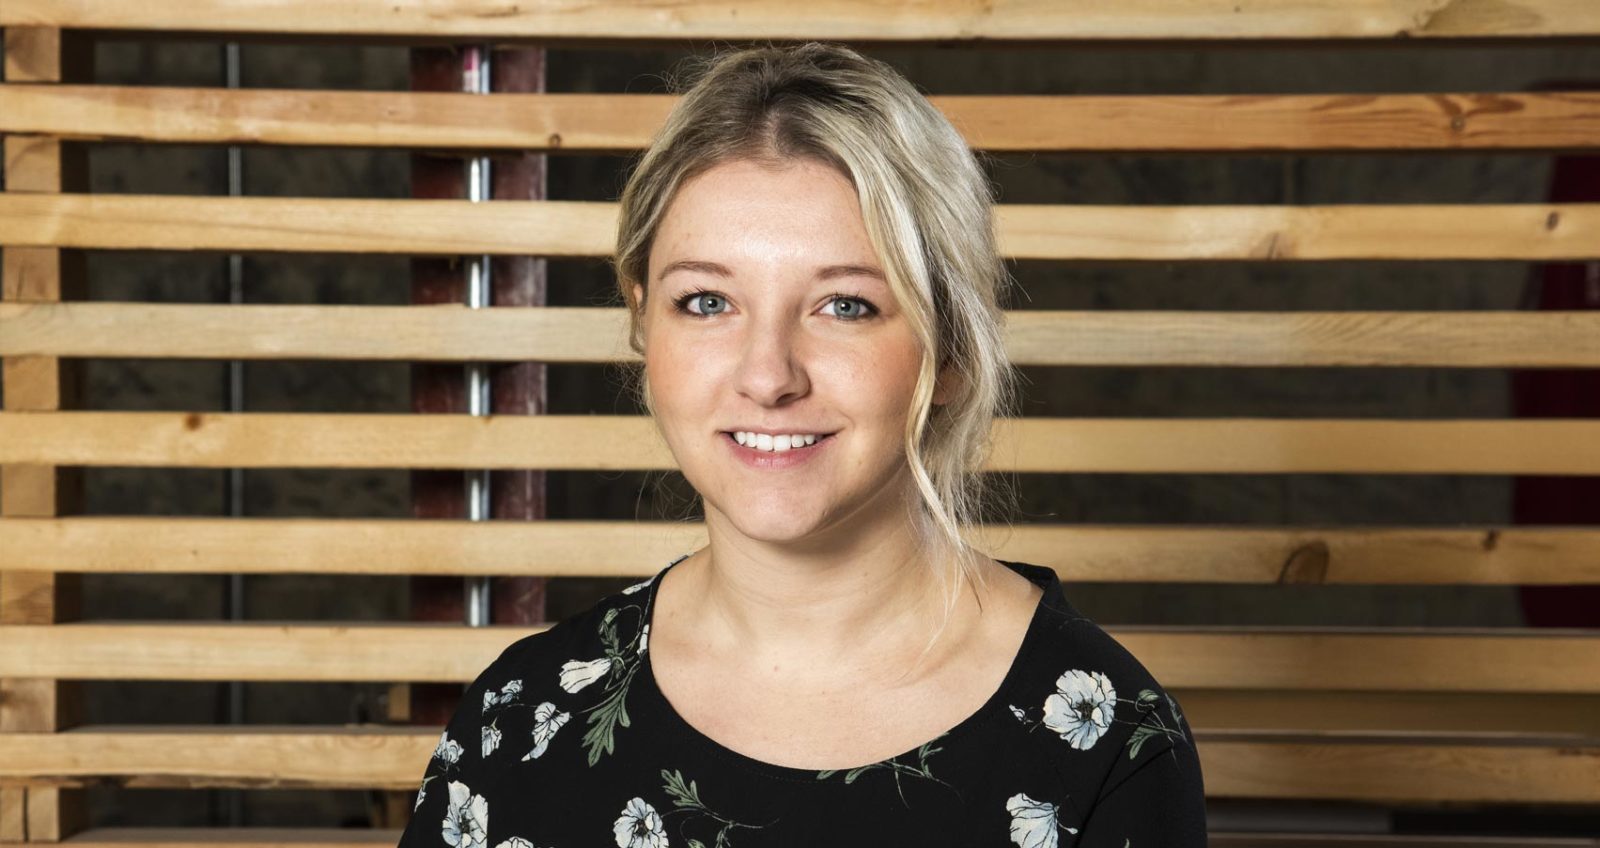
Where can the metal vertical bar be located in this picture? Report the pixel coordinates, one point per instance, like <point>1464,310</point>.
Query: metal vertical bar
<point>480,188</point>
<point>235,493</point>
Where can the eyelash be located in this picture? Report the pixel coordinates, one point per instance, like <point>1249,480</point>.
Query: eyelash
<point>682,303</point>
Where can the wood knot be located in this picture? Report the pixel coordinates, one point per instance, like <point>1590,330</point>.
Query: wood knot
<point>192,421</point>
<point>1552,220</point>
<point>1306,564</point>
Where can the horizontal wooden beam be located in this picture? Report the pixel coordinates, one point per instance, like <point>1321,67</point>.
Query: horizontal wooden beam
<point>947,21</point>
<point>1499,339</point>
<point>616,123</point>
<point>1515,555</point>
<point>1507,716</point>
<point>564,228</point>
<point>1561,446</point>
<point>1462,768</point>
<point>1414,660</point>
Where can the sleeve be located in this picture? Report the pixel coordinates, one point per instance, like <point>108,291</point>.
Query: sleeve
<point>451,807</point>
<point>1154,801</point>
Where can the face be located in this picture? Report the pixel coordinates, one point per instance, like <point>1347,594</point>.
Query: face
<point>768,311</point>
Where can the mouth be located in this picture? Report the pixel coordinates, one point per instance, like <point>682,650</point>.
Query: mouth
<point>753,443</point>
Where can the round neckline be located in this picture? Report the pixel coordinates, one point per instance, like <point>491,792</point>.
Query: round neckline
<point>992,706</point>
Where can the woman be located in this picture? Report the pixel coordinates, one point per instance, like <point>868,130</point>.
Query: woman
<point>807,256</point>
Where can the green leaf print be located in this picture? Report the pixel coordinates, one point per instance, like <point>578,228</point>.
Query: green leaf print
<point>604,717</point>
<point>897,768</point>
<point>686,797</point>
<point>1151,724</point>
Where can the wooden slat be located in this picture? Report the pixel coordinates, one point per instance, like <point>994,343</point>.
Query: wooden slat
<point>1467,339</point>
<point>1392,771</point>
<point>353,651</point>
<point>621,442</point>
<point>1532,231</point>
<point>1414,660</point>
<point>570,548</point>
<point>1568,120</point>
<point>262,837</point>
<point>1461,768</point>
<point>1405,714</point>
<point>938,20</point>
<point>267,837</point>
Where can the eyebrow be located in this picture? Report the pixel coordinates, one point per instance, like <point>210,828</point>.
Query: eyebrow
<point>827,272</point>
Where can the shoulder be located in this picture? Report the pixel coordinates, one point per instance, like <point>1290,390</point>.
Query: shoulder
<point>579,648</point>
<point>1092,706</point>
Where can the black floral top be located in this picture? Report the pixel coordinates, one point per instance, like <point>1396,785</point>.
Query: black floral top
<point>565,741</point>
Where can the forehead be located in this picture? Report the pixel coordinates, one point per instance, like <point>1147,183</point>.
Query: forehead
<point>742,211</point>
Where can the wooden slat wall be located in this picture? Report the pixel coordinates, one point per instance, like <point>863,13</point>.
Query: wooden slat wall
<point>1473,716</point>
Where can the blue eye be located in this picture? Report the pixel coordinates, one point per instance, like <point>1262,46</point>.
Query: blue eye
<point>682,303</point>
<point>855,313</point>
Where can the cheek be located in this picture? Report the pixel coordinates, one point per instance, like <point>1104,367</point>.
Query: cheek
<point>880,379</point>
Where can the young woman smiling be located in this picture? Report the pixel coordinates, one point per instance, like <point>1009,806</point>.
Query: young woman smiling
<point>808,259</point>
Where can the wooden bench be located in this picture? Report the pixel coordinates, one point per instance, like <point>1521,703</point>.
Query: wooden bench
<point>1458,717</point>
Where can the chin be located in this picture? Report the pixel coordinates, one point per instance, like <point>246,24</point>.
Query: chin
<point>771,528</point>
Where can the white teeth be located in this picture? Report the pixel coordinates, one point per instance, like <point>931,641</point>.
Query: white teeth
<point>773,444</point>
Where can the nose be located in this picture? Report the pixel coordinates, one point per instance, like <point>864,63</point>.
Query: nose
<point>771,371</point>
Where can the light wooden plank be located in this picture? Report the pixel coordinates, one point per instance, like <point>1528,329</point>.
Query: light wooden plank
<point>1387,772</point>
<point>248,837</point>
<point>938,20</point>
<point>1335,658</point>
<point>255,651</point>
<point>1492,714</point>
<point>620,442</point>
<point>1500,339</point>
<point>1511,555</point>
<point>1299,659</point>
<point>1567,120</point>
<point>1457,768</point>
<point>558,228</point>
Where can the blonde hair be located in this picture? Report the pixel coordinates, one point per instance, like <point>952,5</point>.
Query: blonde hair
<point>927,207</point>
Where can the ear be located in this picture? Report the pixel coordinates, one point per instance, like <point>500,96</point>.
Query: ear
<point>947,386</point>
<point>638,294</point>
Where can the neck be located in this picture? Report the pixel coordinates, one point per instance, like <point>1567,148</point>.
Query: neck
<point>840,612</point>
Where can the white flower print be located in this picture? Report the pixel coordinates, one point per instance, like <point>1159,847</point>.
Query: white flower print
<point>644,636</point>
<point>546,721</point>
<point>1033,823</point>
<point>466,820</point>
<point>507,694</point>
<point>637,586</point>
<point>640,826</point>
<point>1017,711</point>
<point>448,749</point>
<point>576,674</point>
<point>420,791</point>
<point>1081,708</point>
<point>491,739</point>
<point>515,842</point>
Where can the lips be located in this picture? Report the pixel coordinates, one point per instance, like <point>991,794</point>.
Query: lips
<point>791,458</point>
